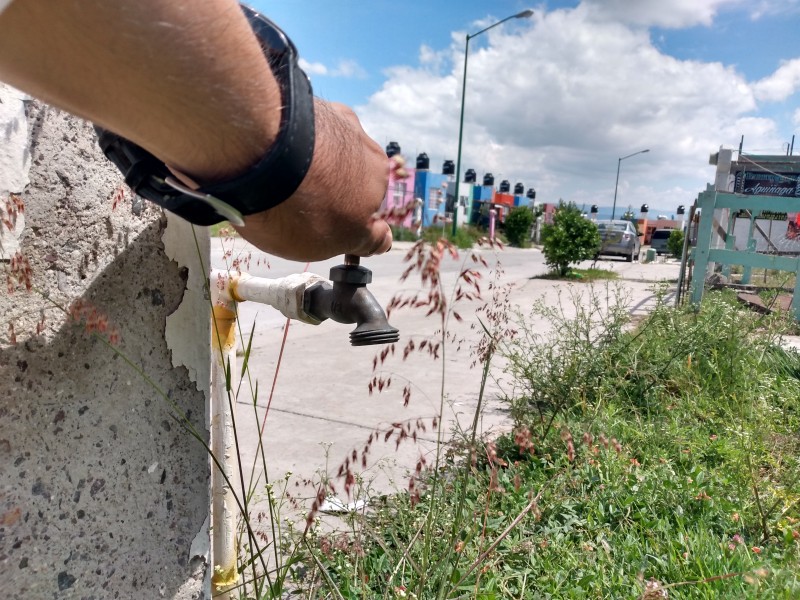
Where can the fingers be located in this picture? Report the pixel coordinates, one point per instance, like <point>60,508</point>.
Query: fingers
<point>333,210</point>
<point>379,241</point>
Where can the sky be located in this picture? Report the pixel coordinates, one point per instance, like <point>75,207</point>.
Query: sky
<point>555,100</point>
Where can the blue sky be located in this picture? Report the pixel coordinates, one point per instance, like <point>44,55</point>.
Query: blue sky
<point>554,101</point>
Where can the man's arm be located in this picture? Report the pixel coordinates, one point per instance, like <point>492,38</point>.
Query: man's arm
<point>187,81</point>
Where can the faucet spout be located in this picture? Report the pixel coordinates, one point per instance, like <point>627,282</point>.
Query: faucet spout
<point>348,300</point>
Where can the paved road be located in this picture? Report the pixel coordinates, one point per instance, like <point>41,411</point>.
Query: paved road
<point>322,409</point>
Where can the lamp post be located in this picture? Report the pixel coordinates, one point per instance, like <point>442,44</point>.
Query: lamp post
<point>525,14</point>
<point>616,185</point>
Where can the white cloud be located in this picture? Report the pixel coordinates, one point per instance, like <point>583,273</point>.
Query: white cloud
<point>554,104</point>
<point>682,13</point>
<point>661,13</point>
<point>781,84</point>
<point>348,69</point>
<point>313,68</point>
<point>431,58</point>
<point>768,8</point>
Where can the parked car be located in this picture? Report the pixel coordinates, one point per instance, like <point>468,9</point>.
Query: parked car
<point>658,241</point>
<point>619,238</point>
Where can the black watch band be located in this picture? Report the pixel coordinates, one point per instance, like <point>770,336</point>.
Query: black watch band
<point>266,184</point>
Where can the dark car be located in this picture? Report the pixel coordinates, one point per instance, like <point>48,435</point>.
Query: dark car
<point>619,238</point>
<point>658,241</point>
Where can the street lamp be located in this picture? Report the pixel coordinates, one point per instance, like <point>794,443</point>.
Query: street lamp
<point>616,185</point>
<point>525,14</point>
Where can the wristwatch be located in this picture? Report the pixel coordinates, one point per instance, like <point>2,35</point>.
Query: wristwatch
<point>266,184</point>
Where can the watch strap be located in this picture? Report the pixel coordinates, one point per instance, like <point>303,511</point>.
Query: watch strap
<point>264,185</point>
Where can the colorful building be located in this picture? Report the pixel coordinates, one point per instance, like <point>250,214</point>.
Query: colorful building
<point>425,198</point>
<point>432,189</point>
<point>398,203</point>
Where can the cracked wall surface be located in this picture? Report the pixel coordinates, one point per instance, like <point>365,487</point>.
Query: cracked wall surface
<point>103,493</point>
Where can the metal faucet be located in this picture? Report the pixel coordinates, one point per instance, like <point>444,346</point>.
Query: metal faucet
<point>349,301</point>
<point>311,299</point>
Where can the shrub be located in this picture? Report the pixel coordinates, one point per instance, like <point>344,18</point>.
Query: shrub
<point>518,226</point>
<point>464,238</point>
<point>569,239</point>
<point>403,234</point>
<point>675,243</point>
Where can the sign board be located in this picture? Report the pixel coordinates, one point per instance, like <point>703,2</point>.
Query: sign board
<point>786,185</point>
<point>767,215</point>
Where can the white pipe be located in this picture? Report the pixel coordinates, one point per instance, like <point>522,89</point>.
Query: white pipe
<point>223,503</point>
<point>285,294</point>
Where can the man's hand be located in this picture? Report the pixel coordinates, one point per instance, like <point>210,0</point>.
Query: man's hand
<point>187,81</point>
<point>332,211</point>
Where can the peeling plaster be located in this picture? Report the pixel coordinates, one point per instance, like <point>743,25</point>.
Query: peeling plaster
<point>81,432</point>
<point>15,160</point>
<point>188,330</point>
<point>188,335</point>
<point>201,549</point>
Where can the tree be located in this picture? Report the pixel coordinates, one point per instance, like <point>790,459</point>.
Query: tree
<point>518,226</point>
<point>675,243</point>
<point>629,216</point>
<point>570,238</point>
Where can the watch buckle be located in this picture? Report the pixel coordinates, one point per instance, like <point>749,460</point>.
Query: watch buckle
<point>222,208</point>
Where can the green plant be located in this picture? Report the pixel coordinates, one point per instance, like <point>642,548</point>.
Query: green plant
<point>584,275</point>
<point>518,226</point>
<point>646,463</point>
<point>223,229</point>
<point>403,234</point>
<point>465,237</point>
<point>629,215</point>
<point>701,490</point>
<point>571,350</point>
<point>569,239</point>
<point>675,243</point>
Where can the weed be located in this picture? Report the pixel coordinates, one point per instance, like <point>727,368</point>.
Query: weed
<point>465,237</point>
<point>223,230</point>
<point>674,471</point>
<point>582,275</point>
<point>703,413</point>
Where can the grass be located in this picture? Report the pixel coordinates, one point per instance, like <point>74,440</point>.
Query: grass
<point>765,278</point>
<point>585,275</point>
<point>465,237</point>
<point>648,463</point>
<point>223,230</point>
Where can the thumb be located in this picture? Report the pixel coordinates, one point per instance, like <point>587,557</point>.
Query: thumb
<point>377,241</point>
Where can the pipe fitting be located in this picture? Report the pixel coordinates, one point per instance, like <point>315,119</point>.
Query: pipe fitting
<point>311,299</point>
<point>347,300</point>
<point>285,293</point>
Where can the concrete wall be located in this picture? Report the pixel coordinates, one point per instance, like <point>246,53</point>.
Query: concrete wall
<point>102,492</point>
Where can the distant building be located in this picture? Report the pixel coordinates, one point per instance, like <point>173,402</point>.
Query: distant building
<point>436,192</point>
